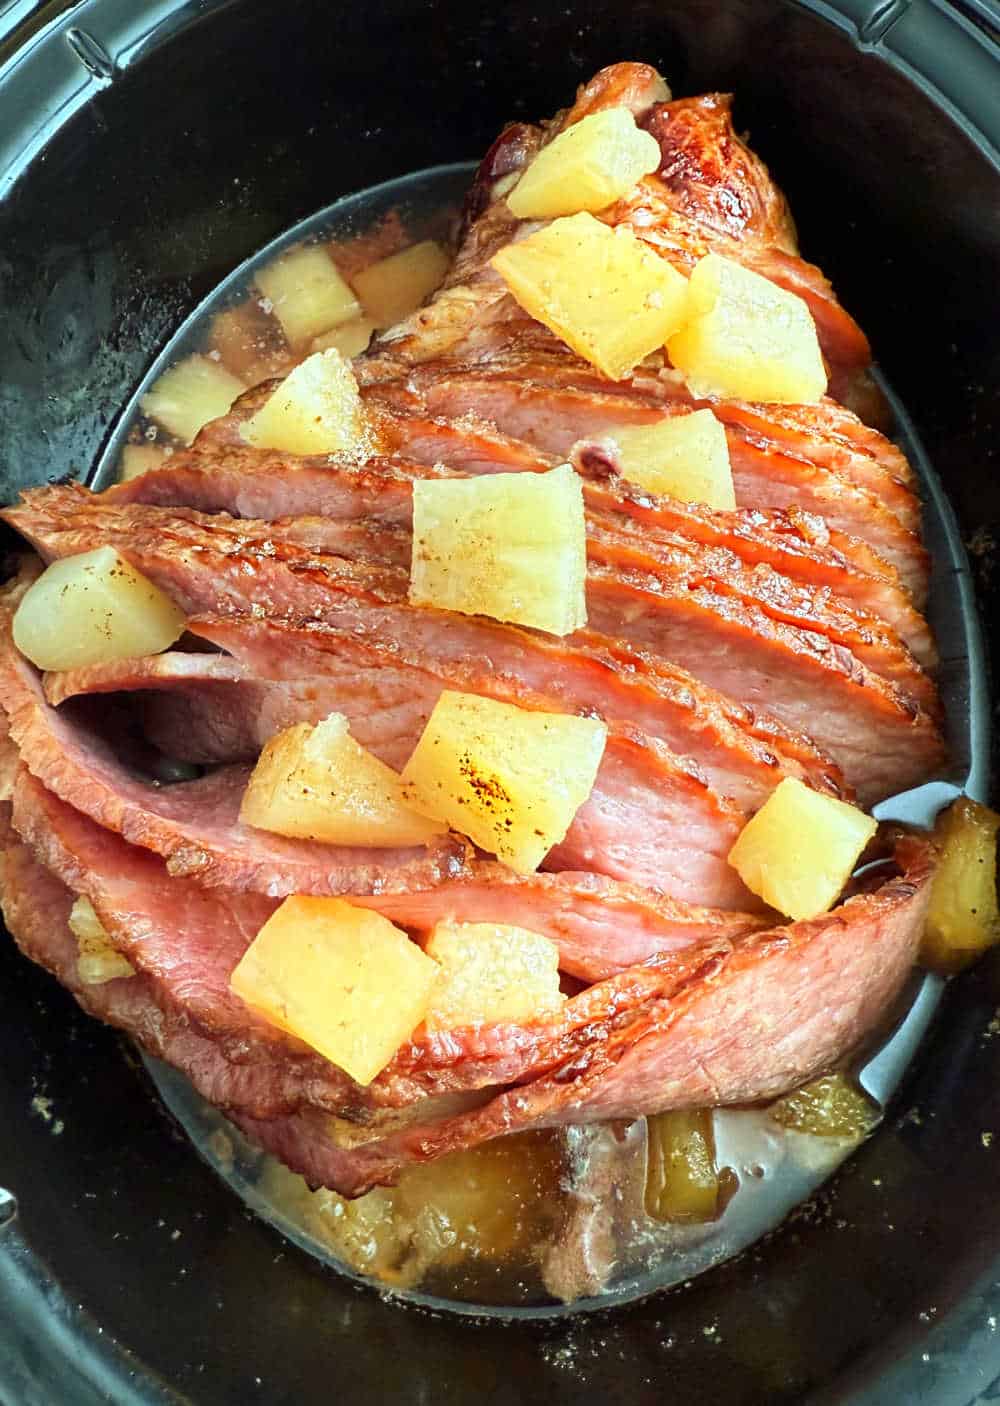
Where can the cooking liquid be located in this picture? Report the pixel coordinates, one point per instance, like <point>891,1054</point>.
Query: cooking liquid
<point>522,1224</point>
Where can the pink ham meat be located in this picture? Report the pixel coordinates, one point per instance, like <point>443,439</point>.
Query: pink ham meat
<point>336,507</point>
<point>195,824</point>
<point>877,734</point>
<point>186,940</point>
<point>638,1043</point>
<point>555,418</point>
<point>376,509</point>
<point>601,927</point>
<point>718,1026</point>
<point>221,709</point>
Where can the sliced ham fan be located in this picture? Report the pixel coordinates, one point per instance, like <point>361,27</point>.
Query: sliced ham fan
<point>725,650</point>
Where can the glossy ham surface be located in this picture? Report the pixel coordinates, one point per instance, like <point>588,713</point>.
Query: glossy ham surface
<point>725,651</point>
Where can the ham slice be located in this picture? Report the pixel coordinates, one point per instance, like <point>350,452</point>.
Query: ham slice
<point>882,741</point>
<point>651,818</point>
<point>554,418</point>
<point>184,942</point>
<point>302,495</point>
<point>717,1026</point>
<point>225,709</point>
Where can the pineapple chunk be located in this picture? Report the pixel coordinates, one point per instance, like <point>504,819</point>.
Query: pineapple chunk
<point>799,850</point>
<point>744,336</point>
<point>602,290</point>
<point>98,961</point>
<point>138,459</point>
<point>682,1183</point>
<point>828,1107</point>
<point>191,394</point>
<point>317,783</point>
<point>492,1202</point>
<point>315,410</point>
<point>307,294</point>
<point>685,456</point>
<point>90,609</point>
<point>492,973</point>
<point>350,338</point>
<point>962,920</point>
<point>393,288</point>
<point>587,167</point>
<point>341,978</point>
<point>512,546</point>
<point>510,779</point>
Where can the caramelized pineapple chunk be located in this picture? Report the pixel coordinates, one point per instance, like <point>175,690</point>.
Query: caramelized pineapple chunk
<point>512,546</point>
<point>510,779</point>
<point>682,1183</point>
<point>98,961</point>
<point>486,1203</point>
<point>306,293</point>
<point>799,850</point>
<point>315,410</point>
<point>191,394</point>
<point>492,973</point>
<point>587,167</point>
<point>601,290</point>
<point>317,783</point>
<point>828,1107</point>
<point>963,920</point>
<point>90,609</point>
<point>350,338</point>
<point>685,456</point>
<point>744,336</point>
<point>394,287</point>
<point>341,978</point>
<point>138,459</point>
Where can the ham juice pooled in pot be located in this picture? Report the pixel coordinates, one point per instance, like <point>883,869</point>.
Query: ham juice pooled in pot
<point>507,627</point>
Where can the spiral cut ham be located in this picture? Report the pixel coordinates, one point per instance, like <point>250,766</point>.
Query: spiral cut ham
<point>726,651</point>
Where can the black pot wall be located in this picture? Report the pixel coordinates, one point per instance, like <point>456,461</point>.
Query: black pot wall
<point>130,1273</point>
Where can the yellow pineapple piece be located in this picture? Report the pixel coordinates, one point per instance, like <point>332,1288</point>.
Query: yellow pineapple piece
<point>601,290</point>
<point>685,456</point>
<point>510,779</point>
<point>317,783</point>
<point>799,850</point>
<point>963,920</point>
<point>191,394</point>
<point>394,287</point>
<point>350,338</point>
<point>492,973</point>
<point>828,1107</point>
<point>316,410</point>
<point>512,546</point>
<point>341,978</point>
<point>587,167</point>
<point>743,336</point>
<point>306,293</point>
<point>682,1183</point>
<point>98,961</point>
<point>92,608</point>
<point>138,459</point>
